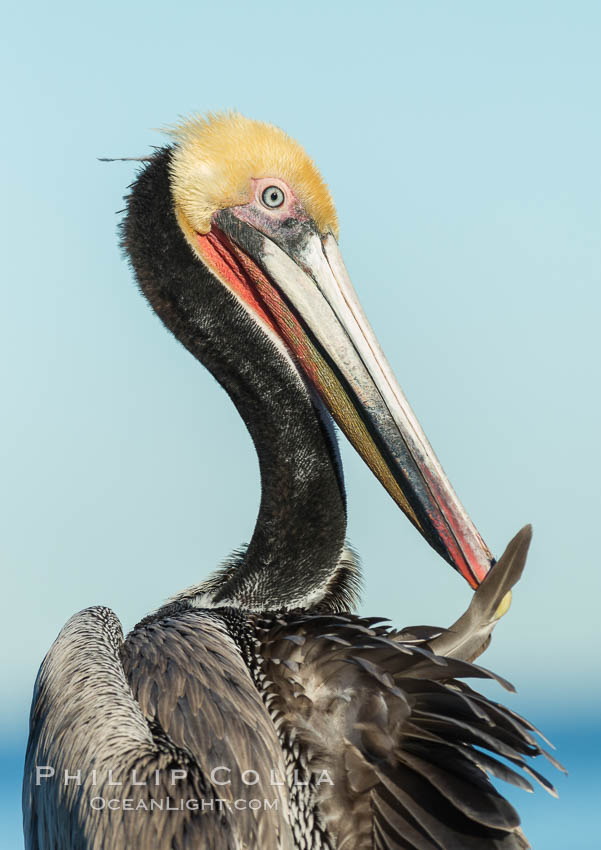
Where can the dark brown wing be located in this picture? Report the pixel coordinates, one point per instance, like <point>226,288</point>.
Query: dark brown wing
<point>398,733</point>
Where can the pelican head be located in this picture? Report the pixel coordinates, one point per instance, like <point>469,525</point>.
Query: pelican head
<point>257,214</point>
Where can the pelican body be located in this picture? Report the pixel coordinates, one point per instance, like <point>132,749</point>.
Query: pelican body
<point>256,710</point>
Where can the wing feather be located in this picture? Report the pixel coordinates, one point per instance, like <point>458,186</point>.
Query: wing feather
<point>86,721</point>
<point>399,731</point>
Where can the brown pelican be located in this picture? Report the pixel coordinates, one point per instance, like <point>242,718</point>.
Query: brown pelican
<point>255,710</point>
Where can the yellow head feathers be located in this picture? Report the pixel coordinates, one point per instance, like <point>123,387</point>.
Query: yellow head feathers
<point>215,158</point>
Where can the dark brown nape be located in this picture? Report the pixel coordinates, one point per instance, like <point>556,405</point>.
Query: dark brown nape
<point>301,524</point>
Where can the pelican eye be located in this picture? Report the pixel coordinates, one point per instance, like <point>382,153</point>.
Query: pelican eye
<point>272,197</point>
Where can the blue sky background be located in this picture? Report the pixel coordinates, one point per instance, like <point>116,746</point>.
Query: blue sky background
<point>461,143</point>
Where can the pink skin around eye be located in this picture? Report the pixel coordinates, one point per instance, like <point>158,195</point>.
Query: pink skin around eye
<point>265,218</point>
<point>290,205</point>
